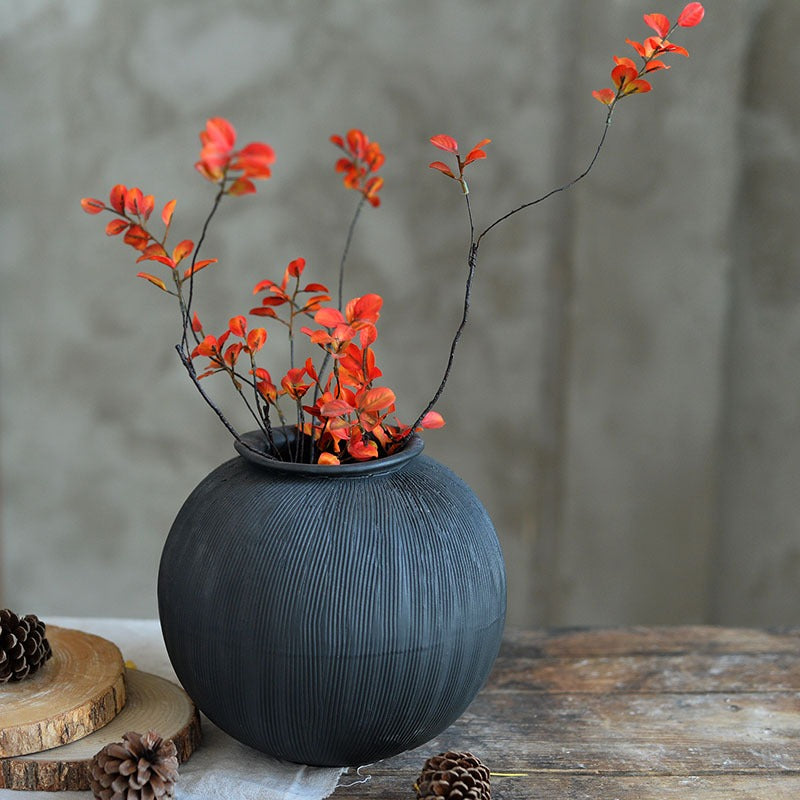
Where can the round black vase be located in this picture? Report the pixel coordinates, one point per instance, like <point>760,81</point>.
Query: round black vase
<point>332,616</point>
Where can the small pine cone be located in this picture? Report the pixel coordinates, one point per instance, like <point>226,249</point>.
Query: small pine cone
<point>453,776</point>
<point>140,767</point>
<point>23,645</point>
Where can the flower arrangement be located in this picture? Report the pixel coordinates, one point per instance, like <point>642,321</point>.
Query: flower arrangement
<point>338,408</point>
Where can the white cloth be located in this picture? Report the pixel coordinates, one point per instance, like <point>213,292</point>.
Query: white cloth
<point>220,767</point>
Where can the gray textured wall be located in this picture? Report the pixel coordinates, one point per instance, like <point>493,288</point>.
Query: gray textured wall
<point>626,398</point>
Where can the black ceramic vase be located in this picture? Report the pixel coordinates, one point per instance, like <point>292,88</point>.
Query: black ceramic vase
<point>333,615</point>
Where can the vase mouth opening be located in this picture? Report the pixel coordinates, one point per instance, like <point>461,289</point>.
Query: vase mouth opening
<point>255,449</point>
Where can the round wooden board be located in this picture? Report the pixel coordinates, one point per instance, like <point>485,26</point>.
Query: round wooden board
<point>79,690</point>
<point>153,704</point>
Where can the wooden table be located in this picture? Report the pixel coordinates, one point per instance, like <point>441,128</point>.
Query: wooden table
<point>679,713</point>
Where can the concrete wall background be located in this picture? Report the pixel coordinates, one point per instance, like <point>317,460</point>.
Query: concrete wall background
<point>626,397</point>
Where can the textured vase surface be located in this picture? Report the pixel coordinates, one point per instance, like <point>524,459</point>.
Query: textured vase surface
<point>332,615</point>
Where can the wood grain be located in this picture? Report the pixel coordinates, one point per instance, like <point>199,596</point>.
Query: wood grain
<point>685,713</point>
<point>79,690</point>
<point>153,703</point>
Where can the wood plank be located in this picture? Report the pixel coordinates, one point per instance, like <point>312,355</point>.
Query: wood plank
<point>153,703</point>
<point>659,640</point>
<point>694,673</point>
<point>388,785</point>
<point>79,690</point>
<point>687,713</point>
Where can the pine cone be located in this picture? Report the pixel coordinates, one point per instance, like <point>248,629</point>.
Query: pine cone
<point>137,768</point>
<point>453,776</point>
<point>23,646</point>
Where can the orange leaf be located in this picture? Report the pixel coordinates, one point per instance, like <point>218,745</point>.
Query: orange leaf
<point>241,186</point>
<point>433,419</point>
<point>152,278</point>
<point>116,226</point>
<point>444,142</point>
<point>137,237</point>
<point>166,214</point>
<point>606,96</point>
<point>198,266</point>
<point>336,408</point>
<point>377,399</point>
<point>256,339</point>
<point>361,450</point>
<point>296,267</point>
<point>658,22</point>
<point>238,326</point>
<point>691,15</point>
<point>442,167</point>
<point>329,317</point>
<point>196,325</point>
<point>262,312</point>
<point>92,206</point>
<point>134,201</point>
<point>117,198</point>
<point>328,460</point>
<point>220,133</point>
<point>182,249</point>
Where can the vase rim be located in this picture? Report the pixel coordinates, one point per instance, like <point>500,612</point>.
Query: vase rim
<point>253,448</point>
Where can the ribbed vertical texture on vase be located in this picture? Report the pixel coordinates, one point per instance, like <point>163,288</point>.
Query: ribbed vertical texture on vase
<point>328,620</point>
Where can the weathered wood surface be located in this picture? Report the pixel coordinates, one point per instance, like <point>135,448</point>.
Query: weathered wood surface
<point>79,690</point>
<point>689,713</point>
<point>153,703</point>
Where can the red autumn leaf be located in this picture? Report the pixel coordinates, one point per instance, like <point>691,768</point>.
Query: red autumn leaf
<point>196,326</point>
<point>198,266</point>
<point>208,347</point>
<point>329,317</point>
<point>152,278</point>
<point>654,65</point>
<point>442,167</point>
<point>638,47</point>
<point>444,142</point>
<point>314,287</point>
<point>658,22</point>
<point>361,450</point>
<point>181,250</point>
<point>133,201</point>
<point>238,326</point>
<point>166,214</point>
<point>116,226</point>
<point>433,419</point>
<point>328,460</point>
<point>117,198</point>
<point>336,408</point>
<point>137,237</point>
<point>155,252</point>
<point>691,15</point>
<point>262,312</point>
<point>92,206</point>
<point>241,186</point>
<point>232,353</point>
<point>376,399</point>
<point>477,152</point>
<point>669,47</point>
<point>296,267</point>
<point>337,140</point>
<point>219,133</point>
<point>363,309</point>
<point>256,339</point>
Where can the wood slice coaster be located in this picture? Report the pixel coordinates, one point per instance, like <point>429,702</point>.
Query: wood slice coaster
<point>153,704</point>
<point>79,690</point>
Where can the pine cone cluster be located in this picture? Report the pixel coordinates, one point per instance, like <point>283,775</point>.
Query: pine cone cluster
<point>140,767</point>
<point>453,776</point>
<point>23,645</point>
